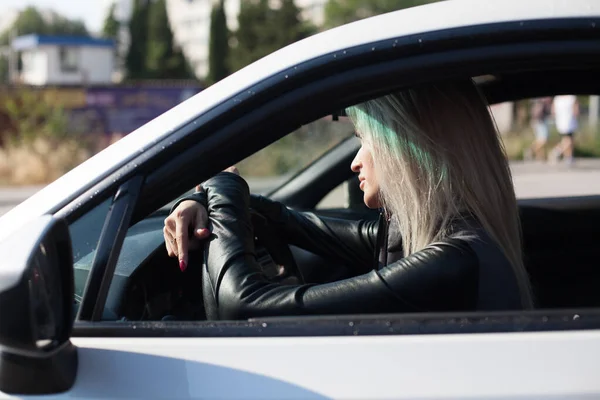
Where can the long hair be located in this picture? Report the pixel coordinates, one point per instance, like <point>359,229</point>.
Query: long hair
<point>438,156</point>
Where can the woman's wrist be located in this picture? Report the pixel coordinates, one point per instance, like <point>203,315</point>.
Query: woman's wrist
<point>199,197</point>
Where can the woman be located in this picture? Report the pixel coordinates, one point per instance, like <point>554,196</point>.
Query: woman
<point>540,112</point>
<point>431,158</point>
<point>566,111</point>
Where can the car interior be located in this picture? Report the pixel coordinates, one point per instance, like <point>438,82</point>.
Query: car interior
<point>559,235</point>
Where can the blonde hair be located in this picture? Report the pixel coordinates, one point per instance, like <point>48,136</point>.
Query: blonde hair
<point>437,156</point>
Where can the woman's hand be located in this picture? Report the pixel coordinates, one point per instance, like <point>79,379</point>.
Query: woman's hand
<point>233,170</point>
<point>189,216</point>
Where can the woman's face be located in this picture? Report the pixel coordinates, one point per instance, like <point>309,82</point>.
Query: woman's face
<point>363,166</point>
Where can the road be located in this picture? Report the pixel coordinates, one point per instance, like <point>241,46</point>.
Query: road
<point>531,180</point>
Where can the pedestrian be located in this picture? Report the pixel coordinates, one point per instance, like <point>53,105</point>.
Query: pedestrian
<point>566,110</point>
<point>541,109</point>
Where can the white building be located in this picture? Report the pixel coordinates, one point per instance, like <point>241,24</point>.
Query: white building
<point>190,22</point>
<point>313,10</point>
<point>61,60</point>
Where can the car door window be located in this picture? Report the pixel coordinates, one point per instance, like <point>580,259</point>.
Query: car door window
<point>278,162</point>
<point>85,233</point>
<point>147,284</point>
<point>337,198</point>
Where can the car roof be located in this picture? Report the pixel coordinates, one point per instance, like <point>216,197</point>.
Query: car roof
<point>447,14</point>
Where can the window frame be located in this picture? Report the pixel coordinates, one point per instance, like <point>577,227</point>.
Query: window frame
<point>74,66</point>
<point>335,84</point>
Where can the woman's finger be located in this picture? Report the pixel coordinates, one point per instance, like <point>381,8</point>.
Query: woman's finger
<point>169,243</point>
<point>181,240</point>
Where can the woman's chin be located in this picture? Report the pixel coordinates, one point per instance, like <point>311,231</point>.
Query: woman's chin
<point>371,201</point>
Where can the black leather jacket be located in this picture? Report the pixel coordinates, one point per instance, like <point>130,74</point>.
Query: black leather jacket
<point>450,275</point>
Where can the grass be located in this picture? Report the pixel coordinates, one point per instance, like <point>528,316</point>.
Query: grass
<point>44,160</point>
<point>40,162</point>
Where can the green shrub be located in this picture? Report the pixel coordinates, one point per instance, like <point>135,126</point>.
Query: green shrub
<point>37,144</point>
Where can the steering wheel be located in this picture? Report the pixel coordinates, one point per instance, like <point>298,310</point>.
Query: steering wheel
<point>273,256</point>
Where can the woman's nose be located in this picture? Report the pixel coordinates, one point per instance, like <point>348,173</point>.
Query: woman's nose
<point>356,164</point>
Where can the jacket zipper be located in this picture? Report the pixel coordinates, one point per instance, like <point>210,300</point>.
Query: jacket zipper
<point>382,241</point>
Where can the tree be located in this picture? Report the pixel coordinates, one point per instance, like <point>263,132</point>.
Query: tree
<point>31,21</point>
<point>62,26</point>
<point>218,47</point>
<point>339,12</point>
<point>289,23</point>
<point>262,30</point>
<point>138,39</point>
<point>110,30</point>
<point>36,137</point>
<point>3,69</point>
<point>163,60</point>
<point>250,44</point>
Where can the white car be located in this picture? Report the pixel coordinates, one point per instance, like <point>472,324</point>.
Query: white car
<point>87,290</point>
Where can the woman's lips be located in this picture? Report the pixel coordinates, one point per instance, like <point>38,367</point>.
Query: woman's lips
<point>362,185</point>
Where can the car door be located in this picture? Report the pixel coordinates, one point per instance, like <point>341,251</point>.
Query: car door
<point>502,355</point>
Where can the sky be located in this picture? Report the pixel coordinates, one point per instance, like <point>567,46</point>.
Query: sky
<point>91,12</point>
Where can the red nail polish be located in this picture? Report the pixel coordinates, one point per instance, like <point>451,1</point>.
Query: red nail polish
<point>182,265</point>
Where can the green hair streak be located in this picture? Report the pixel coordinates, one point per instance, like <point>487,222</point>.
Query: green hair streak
<point>388,137</point>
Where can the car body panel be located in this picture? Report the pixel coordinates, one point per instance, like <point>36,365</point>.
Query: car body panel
<point>483,366</point>
<point>433,17</point>
<point>442,366</point>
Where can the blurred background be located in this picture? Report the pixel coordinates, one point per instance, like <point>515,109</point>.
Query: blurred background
<point>76,76</point>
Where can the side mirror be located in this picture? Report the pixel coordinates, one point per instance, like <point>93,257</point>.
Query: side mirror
<point>36,315</point>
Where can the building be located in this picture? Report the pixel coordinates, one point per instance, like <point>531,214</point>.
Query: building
<point>62,60</point>
<point>313,10</point>
<point>190,22</point>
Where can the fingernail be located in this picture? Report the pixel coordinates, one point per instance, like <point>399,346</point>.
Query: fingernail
<point>182,265</point>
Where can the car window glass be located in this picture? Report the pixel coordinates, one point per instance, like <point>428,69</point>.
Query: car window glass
<point>151,293</point>
<point>552,144</point>
<point>337,198</point>
<point>276,163</point>
<point>139,292</point>
<point>85,233</point>
<point>530,132</point>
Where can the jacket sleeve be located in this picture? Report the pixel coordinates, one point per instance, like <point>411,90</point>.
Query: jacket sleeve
<point>440,277</point>
<point>355,243</point>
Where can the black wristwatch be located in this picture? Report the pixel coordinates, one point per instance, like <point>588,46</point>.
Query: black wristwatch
<point>199,197</point>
